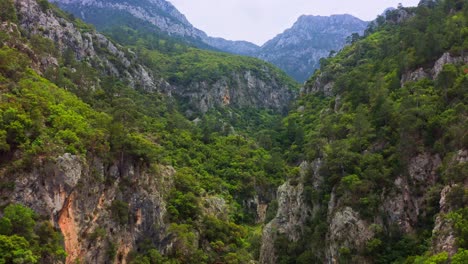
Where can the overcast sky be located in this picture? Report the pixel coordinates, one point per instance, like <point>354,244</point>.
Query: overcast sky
<point>260,20</point>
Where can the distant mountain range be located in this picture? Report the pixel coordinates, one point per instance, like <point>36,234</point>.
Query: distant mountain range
<point>297,50</point>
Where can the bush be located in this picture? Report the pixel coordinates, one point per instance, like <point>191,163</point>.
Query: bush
<point>120,212</point>
<point>8,11</point>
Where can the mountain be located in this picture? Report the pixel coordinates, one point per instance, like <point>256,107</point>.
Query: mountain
<point>298,50</point>
<point>99,162</point>
<point>159,13</point>
<point>384,163</point>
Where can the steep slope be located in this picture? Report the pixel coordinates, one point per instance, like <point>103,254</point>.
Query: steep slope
<point>159,13</point>
<point>116,168</point>
<point>299,49</point>
<point>201,80</point>
<point>381,131</point>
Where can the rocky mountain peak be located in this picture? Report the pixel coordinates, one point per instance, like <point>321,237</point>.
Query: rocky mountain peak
<point>298,50</point>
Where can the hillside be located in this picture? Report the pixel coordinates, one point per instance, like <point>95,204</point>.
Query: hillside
<point>121,148</point>
<point>111,168</point>
<point>297,51</point>
<point>202,80</point>
<point>383,144</point>
<point>155,15</point>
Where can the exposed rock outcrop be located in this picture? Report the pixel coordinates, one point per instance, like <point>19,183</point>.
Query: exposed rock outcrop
<point>241,89</point>
<point>347,231</point>
<point>443,234</point>
<point>403,206</point>
<point>433,73</point>
<point>79,194</point>
<point>298,50</point>
<point>159,13</point>
<point>84,46</point>
<point>321,84</point>
<point>414,76</point>
<point>292,214</point>
<point>446,59</point>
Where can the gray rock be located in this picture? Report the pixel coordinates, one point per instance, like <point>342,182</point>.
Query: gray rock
<point>446,59</point>
<point>347,230</point>
<point>403,206</point>
<point>293,211</point>
<point>241,89</point>
<point>66,36</point>
<point>414,76</point>
<point>299,49</point>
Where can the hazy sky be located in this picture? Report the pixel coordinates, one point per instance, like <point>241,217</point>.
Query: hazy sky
<point>260,20</point>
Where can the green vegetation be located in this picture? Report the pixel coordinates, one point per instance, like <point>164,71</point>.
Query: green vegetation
<point>42,118</point>
<point>368,134</point>
<point>8,11</point>
<point>365,138</point>
<point>182,64</point>
<point>24,239</point>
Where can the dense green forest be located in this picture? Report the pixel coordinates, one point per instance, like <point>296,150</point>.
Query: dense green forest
<point>365,131</point>
<point>372,126</point>
<point>40,120</point>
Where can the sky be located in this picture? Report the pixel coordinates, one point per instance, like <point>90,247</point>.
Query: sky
<point>260,20</point>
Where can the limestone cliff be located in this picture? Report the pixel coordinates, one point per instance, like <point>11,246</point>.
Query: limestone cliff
<point>87,45</point>
<point>79,196</point>
<point>240,90</point>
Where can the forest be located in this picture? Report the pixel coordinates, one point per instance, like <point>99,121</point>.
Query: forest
<point>365,130</point>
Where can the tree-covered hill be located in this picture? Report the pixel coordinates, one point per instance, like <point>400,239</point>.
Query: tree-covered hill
<point>369,166</point>
<point>117,169</point>
<point>384,129</point>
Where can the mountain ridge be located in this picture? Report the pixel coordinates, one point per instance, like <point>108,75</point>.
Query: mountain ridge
<point>298,50</point>
<point>313,37</point>
<point>151,13</point>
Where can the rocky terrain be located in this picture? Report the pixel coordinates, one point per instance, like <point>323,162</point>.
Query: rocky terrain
<point>298,50</point>
<point>118,163</point>
<point>159,13</point>
<point>246,89</point>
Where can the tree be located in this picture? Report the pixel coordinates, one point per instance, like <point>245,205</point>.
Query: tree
<point>16,249</point>
<point>7,11</point>
<point>446,78</point>
<point>22,220</point>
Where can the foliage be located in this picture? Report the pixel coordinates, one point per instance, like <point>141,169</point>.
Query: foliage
<point>25,240</point>
<point>459,220</point>
<point>182,64</point>
<point>120,212</point>
<point>377,121</point>
<point>364,138</point>
<point>7,11</point>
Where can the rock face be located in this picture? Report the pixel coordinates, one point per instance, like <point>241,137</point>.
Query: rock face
<point>78,195</point>
<point>292,214</point>
<point>433,73</point>
<point>299,49</point>
<point>241,89</point>
<point>346,230</point>
<point>290,218</point>
<point>84,46</point>
<point>443,234</point>
<point>402,207</point>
